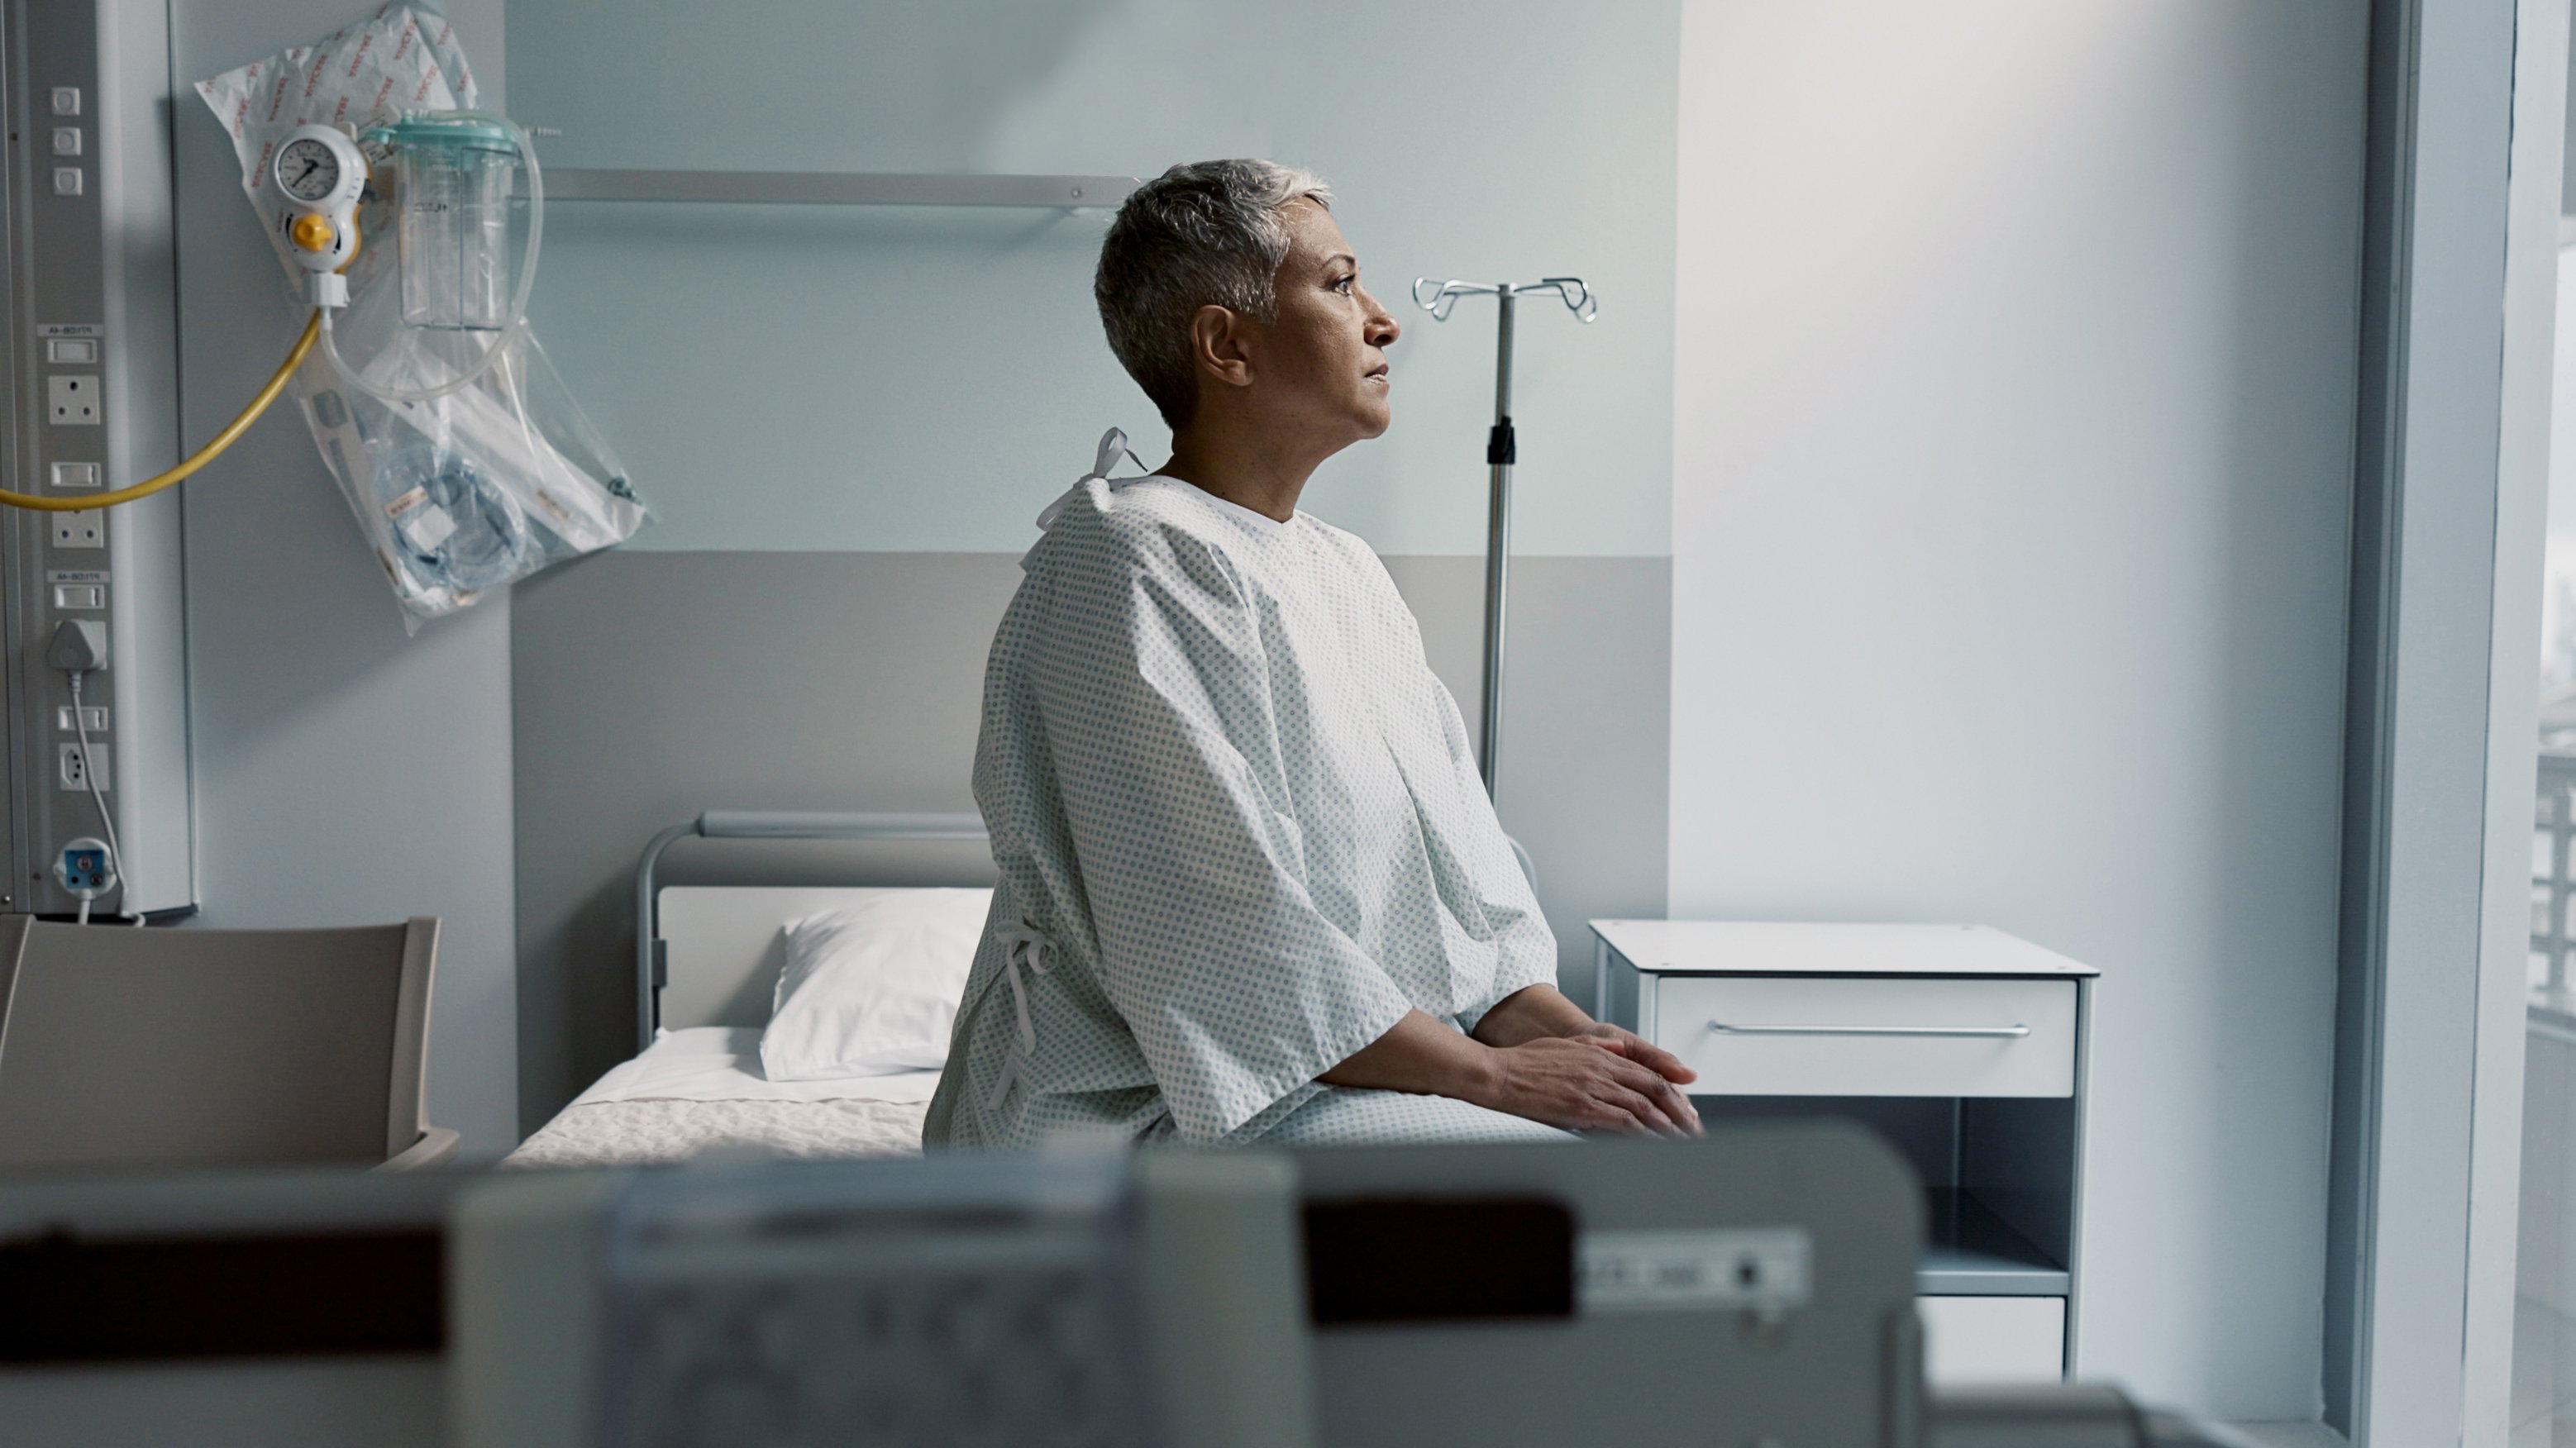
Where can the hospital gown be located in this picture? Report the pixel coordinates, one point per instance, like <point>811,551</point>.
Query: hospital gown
<point>1240,834</point>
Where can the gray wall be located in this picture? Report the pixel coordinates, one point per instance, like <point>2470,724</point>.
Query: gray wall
<point>2014,412</point>
<point>651,686</point>
<point>345,773</point>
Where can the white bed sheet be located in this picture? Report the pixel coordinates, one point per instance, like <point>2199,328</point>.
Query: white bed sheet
<point>701,1089</point>
<point>722,1063</point>
<point>642,1133</point>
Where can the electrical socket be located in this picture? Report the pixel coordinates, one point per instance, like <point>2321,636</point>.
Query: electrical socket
<point>82,528</point>
<point>75,776</point>
<point>74,398</point>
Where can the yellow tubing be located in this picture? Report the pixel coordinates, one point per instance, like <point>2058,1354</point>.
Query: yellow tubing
<point>199,459</point>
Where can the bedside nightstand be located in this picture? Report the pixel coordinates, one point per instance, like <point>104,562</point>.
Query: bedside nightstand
<point>1963,1046</point>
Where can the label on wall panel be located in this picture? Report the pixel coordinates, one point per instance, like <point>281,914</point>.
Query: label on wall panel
<point>71,329</point>
<point>76,575</point>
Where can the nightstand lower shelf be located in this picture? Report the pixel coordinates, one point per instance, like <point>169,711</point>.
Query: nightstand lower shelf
<point>1971,1252</point>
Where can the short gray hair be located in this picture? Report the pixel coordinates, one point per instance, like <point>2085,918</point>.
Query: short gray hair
<point>1207,233</point>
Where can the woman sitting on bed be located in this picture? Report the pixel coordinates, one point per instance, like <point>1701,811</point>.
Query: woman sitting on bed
<point>1250,886</point>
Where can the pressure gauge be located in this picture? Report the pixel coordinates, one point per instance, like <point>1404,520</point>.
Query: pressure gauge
<point>317,176</point>
<point>308,169</point>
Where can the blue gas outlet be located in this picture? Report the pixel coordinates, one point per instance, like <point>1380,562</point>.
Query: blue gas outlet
<point>85,869</point>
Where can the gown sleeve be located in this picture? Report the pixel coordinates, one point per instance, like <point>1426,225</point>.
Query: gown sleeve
<point>1524,946</point>
<point>1481,854</point>
<point>1160,726</point>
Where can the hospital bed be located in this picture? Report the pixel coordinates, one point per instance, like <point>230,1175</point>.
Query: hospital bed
<point>707,961</point>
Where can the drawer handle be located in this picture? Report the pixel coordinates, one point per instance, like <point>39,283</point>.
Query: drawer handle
<point>2014,1032</point>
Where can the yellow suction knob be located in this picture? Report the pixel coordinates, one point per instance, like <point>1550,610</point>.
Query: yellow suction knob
<point>313,232</point>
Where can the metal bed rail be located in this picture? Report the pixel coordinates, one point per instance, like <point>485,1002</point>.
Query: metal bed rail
<point>652,963</point>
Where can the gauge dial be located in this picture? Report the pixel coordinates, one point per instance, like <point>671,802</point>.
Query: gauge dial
<point>308,169</point>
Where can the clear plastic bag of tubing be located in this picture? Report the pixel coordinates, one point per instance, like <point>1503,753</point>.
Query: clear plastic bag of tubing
<point>470,491</point>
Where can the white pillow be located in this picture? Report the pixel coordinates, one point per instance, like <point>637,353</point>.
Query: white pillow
<point>872,986</point>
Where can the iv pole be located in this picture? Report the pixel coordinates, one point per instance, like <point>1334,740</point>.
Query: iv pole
<point>1502,448</point>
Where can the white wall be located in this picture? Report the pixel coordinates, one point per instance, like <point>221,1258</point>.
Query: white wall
<point>848,353</point>
<point>345,773</point>
<point>2012,451</point>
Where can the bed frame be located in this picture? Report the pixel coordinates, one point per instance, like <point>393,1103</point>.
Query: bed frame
<point>725,937</point>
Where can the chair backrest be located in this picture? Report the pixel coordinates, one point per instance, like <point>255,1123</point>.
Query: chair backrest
<point>123,1047</point>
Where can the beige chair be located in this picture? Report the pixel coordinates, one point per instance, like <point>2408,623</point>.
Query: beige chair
<point>156,1048</point>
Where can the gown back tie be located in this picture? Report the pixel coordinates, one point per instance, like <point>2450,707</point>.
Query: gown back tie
<point>1021,946</point>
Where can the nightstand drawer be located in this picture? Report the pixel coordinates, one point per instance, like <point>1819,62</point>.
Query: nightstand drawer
<point>1991,1341</point>
<point>1869,1036</point>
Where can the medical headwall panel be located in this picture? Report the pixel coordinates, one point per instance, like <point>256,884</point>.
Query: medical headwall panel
<point>925,379</point>
<point>91,596</point>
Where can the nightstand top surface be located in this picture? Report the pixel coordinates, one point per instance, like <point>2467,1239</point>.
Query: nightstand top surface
<point>1774,947</point>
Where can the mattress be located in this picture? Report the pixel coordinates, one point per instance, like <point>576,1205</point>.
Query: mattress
<point>701,1089</point>
<point>636,1133</point>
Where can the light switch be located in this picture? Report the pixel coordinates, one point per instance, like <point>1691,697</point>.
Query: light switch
<point>69,181</point>
<point>67,140</point>
<point>80,595</point>
<point>71,349</point>
<point>75,475</point>
<point>67,100</point>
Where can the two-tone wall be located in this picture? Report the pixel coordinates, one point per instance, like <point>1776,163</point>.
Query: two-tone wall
<point>847,419</point>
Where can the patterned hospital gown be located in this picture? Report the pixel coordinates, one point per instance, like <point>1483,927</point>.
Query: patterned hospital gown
<point>1240,832</point>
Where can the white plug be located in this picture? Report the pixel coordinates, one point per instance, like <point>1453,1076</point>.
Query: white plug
<point>78,646</point>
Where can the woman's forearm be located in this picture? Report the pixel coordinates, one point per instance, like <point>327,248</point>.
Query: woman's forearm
<point>1526,1015</point>
<point>1541,1013</point>
<point>1420,1055</point>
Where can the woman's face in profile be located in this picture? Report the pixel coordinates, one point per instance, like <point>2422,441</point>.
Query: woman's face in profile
<point>1323,357</point>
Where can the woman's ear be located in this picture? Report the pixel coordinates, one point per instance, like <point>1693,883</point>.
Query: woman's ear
<point>1220,343</point>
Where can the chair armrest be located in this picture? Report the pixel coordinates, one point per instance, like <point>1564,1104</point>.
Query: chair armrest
<point>437,1145</point>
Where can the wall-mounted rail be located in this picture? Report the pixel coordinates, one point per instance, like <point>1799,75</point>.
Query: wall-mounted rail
<point>835,188</point>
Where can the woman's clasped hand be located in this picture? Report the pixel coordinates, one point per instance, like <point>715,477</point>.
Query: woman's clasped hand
<point>1605,1079</point>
